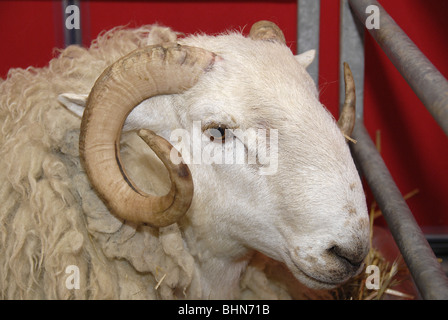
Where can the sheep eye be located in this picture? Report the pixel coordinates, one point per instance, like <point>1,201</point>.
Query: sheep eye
<point>217,133</point>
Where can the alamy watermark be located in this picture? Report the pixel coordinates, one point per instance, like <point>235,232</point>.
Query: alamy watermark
<point>72,280</point>
<point>373,280</point>
<point>73,20</point>
<point>73,277</point>
<point>224,146</point>
<point>373,20</point>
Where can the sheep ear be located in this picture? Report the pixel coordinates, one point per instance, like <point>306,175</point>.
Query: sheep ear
<point>74,102</point>
<point>306,58</point>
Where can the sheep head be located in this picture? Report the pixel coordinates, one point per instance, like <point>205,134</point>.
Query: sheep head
<point>305,208</point>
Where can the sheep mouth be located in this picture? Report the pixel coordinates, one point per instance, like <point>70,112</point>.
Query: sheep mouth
<point>311,281</point>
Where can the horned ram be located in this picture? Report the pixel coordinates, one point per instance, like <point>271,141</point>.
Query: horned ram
<point>148,223</point>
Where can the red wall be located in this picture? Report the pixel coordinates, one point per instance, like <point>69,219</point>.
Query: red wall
<point>414,148</point>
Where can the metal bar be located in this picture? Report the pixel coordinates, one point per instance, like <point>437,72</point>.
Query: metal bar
<point>71,22</point>
<point>308,16</point>
<point>425,80</point>
<point>351,51</point>
<point>418,255</point>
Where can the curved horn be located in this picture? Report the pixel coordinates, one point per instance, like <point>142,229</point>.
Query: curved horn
<point>144,73</point>
<point>266,30</point>
<point>347,117</point>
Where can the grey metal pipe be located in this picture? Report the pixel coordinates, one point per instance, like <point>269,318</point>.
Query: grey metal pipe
<point>418,255</point>
<point>71,22</point>
<point>308,20</point>
<point>425,80</point>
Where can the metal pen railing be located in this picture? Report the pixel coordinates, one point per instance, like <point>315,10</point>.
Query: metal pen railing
<point>432,89</point>
<point>426,81</point>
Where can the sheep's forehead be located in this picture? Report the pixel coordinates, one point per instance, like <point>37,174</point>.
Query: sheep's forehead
<point>254,64</point>
<point>252,75</point>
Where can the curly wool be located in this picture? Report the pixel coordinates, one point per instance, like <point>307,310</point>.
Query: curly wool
<point>50,217</point>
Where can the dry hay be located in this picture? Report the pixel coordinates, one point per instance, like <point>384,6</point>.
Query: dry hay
<point>391,275</point>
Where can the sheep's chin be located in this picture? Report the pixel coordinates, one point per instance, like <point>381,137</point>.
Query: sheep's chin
<point>307,278</point>
<point>311,282</point>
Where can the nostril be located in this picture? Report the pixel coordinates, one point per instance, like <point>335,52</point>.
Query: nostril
<point>347,256</point>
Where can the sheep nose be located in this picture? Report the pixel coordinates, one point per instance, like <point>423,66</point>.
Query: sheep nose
<point>349,256</point>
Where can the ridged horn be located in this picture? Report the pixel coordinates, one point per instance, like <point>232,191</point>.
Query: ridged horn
<point>347,118</point>
<point>142,74</point>
<point>268,31</point>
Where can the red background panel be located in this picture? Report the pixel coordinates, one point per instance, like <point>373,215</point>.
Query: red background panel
<point>28,33</point>
<point>194,16</point>
<point>413,146</point>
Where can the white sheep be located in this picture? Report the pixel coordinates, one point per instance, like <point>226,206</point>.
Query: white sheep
<point>161,239</point>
